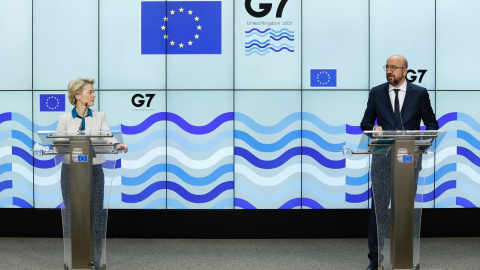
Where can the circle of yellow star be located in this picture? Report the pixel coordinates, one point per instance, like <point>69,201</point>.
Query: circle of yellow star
<point>172,43</point>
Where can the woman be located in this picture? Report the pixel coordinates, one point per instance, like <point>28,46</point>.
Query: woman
<point>82,95</point>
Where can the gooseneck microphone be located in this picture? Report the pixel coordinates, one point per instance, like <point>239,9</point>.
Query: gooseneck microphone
<point>83,116</point>
<point>401,122</point>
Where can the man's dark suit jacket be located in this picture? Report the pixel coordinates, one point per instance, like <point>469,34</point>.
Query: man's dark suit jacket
<point>416,107</point>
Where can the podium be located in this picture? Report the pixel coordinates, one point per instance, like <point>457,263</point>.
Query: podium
<point>85,206</point>
<point>396,164</point>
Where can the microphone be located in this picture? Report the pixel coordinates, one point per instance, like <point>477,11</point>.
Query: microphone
<point>83,117</point>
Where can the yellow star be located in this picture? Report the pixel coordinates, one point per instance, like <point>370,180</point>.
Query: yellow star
<point>190,12</point>
<point>181,9</point>
<point>165,37</point>
<point>190,43</point>
<point>172,43</point>
<point>197,36</point>
<point>163,27</point>
<point>199,27</point>
<point>172,12</point>
<point>196,18</point>
<point>165,18</point>
<point>181,45</point>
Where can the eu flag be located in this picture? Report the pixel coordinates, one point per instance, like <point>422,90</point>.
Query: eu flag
<point>181,27</point>
<point>323,77</point>
<point>52,103</point>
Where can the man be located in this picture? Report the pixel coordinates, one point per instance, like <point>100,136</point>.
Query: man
<point>395,105</point>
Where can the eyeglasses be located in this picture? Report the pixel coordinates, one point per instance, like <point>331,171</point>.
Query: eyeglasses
<point>393,68</point>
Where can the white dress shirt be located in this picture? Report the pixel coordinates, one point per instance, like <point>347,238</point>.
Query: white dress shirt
<point>401,94</point>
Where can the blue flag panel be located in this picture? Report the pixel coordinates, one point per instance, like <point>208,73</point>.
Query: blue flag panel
<point>323,77</point>
<point>52,103</point>
<point>187,27</point>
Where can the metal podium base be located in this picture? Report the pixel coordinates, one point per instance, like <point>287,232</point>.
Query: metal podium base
<point>103,267</point>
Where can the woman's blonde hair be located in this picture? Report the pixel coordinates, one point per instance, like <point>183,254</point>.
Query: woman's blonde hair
<point>75,87</point>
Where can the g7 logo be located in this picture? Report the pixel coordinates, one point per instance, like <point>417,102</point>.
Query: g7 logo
<point>414,77</point>
<point>265,9</point>
<point>140,102</point>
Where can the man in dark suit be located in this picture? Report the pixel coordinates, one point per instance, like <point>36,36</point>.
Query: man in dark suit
<point>395,105</point>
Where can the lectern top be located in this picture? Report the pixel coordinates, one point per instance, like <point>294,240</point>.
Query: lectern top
<point>393,133</point>
<point>377,142</point>
<point>56,142</point>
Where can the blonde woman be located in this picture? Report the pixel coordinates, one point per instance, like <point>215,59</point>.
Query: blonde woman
<point>82,95</point>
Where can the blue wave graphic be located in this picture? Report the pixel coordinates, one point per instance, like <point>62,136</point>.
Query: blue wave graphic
<point>440,172</point>
<point>258,45</point>
<point>179,121</point>
<point>283,48</point>
<point>282,30</point>
<point>237,116</point>
<point>282,34</point>
<point>286,156</point>
<point>356,181</point>
<point>282,45</point>
<point>144,194</point>
<point>24,121</point>
<point>301,202</point>
<point>306,202</point>
<point>320,124</point>
<point>255,49</point>
<point>256,30</point>
<point>41,164</point>
<point>428,197</point>
<point>7,184</point>
<point>465,203</point>
<point>170,168</point>
<point>267,164</point>
<point>462,151</point>
<point>214,193</point>
<point>257,34</point>
<point>6,167</point>
<point>469,121</point>
<point>446,118</point>
<point>272,147</point>
<point>257,52</point>
<point>193,147</point>
<point>277,39</point>
<point>257,41</point>
<point>295,202</point>
<point>260,52</point>
<point>357,198</point>
<point>18,135</point>
<point>244,204</point>
<point>283,124</point>
<point>468,138</point>
<point>14,201</point>
<point>5,117</point>
<point>332,164</point>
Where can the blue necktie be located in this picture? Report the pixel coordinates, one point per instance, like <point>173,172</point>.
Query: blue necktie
<point>396,109</point>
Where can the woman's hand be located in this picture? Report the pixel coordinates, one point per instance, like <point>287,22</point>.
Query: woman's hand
<point>122,147</point>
